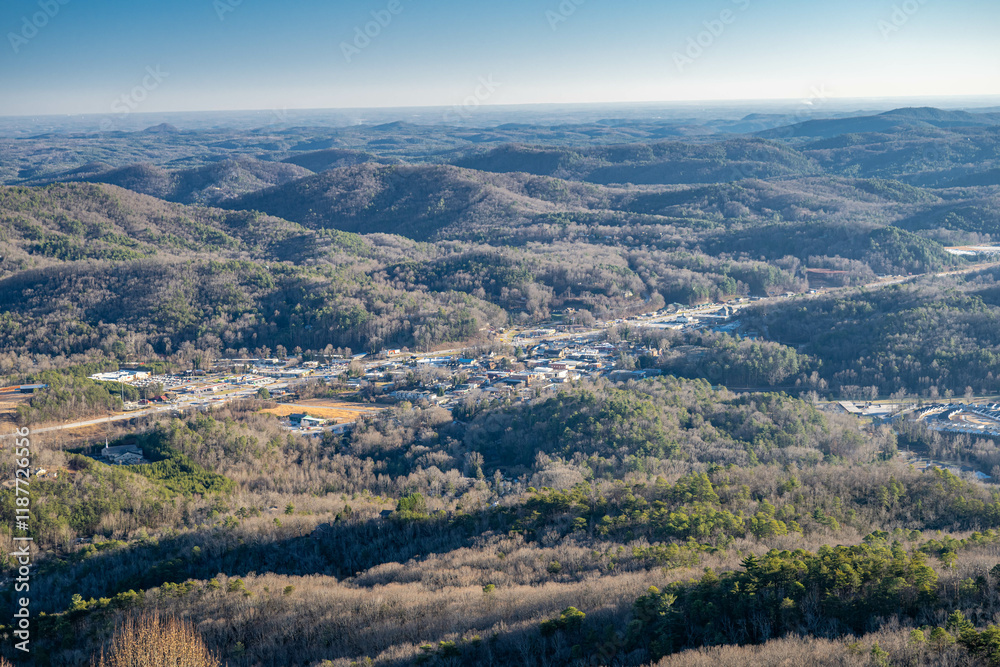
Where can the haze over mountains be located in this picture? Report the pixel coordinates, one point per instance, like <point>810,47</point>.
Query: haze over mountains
<point>345,179</point>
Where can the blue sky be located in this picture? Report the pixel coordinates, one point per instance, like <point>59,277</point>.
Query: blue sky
<point>75,56</point>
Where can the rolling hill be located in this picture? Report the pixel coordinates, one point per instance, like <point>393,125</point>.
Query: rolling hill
<point>662,163</point>
<point>897,120</point>
<point>211,184</point>
<point>332,158</point>
<point>419,202</point>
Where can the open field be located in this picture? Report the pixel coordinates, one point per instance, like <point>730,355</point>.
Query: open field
<point>77,437</point>
<point>325,408</point>
<point>9,400</point>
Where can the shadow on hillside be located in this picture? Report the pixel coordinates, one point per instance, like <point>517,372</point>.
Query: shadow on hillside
<point>340,549</point>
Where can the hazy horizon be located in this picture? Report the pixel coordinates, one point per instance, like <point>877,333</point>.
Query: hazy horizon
<point>784,111</point>
<point>964,102</point>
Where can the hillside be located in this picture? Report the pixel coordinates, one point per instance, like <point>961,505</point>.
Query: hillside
<point>925,337</point>
<point>79,258</point>
<point>75,222</point>
<point>927,157</point>
<point>211,184</point>
<point>330,158</point>
<point>419,202</point>
<point>897,120</point>
<point>203,276</point>
<point>599,530</point>
<point>650,164</point>
<point>603,249</point>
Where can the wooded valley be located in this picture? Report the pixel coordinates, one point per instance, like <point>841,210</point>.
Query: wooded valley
<point>700,500</point>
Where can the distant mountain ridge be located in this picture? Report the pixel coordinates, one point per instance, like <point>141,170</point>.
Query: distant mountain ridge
<point>332,158</point>
<point>662,163</point>
<point>211,184</point>
<point>889,121</point>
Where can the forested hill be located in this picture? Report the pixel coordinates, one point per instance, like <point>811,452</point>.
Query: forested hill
<point>84,265</point>
<point>897,120</point>
<point>533,229</point>
<point>815,217</point>
<point>332,158</point>
<point>210,184</point>
<point>506,246</point>
<point>933,336</point>
<point>646,164</point>
<point>415,201</point>
<point>637,521</point>
<point>75,222</point>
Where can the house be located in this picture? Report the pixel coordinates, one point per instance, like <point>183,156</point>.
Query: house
<point>121,376</point>
<point>312,422</point>
<point>124,455</point>
<point>294,373</point>
<point>411,396</point>
<point>340,429</point>
<point>623,376</point>
<point>516,379</point>
<point>563,366</point>
<point>303,420</point>
<point>113,452</point>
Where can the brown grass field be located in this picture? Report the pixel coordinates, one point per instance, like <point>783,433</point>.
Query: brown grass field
<point>326,409</point>
<point>9,400</point>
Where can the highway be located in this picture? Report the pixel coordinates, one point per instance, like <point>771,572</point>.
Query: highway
<point>184,406</point>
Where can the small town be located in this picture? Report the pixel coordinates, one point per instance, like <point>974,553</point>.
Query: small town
<point>544,359</point>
